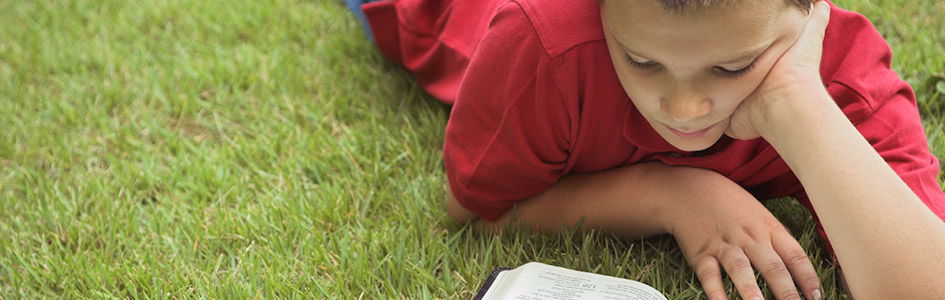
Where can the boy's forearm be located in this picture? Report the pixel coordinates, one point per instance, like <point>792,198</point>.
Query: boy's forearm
<point>869,213</point>
<point>633,201</point>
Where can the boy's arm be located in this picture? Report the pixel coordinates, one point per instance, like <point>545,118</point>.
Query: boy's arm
<point>890,244</point>
<point>887,240</point>
<point>717,224</point>
<point>624,201</point>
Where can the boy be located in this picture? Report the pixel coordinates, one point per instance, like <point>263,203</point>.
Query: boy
<point>643,117</point>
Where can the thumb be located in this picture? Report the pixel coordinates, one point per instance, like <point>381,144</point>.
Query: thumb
<point>809,45</point>
<point>820,17</point>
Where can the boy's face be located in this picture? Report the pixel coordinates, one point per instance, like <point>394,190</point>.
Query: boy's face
<point>687,73</point>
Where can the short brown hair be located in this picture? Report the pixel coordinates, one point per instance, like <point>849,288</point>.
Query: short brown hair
<point>684,6</point>
<point>679,6</point>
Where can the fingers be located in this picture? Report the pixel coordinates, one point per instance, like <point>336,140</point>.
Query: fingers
<point>799,264</point>
<point>781,263</point>
<point>738,268</point>
<point>710,276</point>
<point>773,270</point>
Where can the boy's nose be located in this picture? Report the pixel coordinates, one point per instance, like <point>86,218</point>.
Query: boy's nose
<point>686,108</point>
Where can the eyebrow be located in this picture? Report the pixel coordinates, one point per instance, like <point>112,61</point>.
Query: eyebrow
<point>753,53</point>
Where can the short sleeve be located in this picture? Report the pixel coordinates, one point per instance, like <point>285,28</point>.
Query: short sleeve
<point>895,131</point>
<point>880,104</point>
<point>507,136</point>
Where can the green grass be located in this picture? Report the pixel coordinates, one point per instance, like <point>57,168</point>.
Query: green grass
<point>221,149</point>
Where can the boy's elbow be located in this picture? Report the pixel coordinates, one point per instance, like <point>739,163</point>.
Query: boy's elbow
<point>461,215</point>
<point>457,212</point>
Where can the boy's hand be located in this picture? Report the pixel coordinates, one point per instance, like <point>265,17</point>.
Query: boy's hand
<point>716,222</point>
<point>797,72</point>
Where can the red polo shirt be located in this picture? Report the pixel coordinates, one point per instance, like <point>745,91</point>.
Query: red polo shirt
<point>535,97</point>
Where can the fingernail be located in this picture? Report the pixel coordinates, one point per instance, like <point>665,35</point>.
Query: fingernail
<point>815,294</point>
<point>757,298</point>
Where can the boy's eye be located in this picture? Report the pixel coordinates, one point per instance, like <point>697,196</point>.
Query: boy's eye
<point>649,65</point>
<point>733,73</point>
<point>652,65</point>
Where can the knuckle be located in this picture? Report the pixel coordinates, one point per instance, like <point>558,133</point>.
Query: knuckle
<point>753,234</point>
<point>707,273</point>
<point>776,268</point>
<point>775,225</point>
<point>739,264</point>
<point>704,248</point>
<point>796,257</point>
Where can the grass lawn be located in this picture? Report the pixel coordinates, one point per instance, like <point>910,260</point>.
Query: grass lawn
<point>263,148</point>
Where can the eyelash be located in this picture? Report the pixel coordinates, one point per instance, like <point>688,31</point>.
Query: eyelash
<point>650,66</point>
<point>736,73</point>
<point>639,65</point>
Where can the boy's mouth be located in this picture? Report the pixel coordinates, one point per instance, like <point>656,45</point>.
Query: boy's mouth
<point>690,134</point>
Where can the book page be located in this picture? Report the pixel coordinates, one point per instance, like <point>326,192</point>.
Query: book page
<point>540,281</point>
<point>498,286</point>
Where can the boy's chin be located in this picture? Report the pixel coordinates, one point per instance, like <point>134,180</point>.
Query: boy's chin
<point>692,145</point>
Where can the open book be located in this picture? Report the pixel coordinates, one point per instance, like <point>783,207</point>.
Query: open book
<point>538,281</point>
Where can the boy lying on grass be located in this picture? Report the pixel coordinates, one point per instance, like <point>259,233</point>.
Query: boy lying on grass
<point>646,117</point>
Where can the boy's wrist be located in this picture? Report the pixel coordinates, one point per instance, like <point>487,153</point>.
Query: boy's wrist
<point>694,185</point>
<point>792,107</point>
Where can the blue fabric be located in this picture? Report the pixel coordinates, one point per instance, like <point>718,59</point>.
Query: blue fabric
<point>355,7</point>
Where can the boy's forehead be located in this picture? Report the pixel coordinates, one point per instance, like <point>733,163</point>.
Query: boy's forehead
<point>695,9</point>
<point>699,7</point>
<point>644,26</point>
<point>681,7</point>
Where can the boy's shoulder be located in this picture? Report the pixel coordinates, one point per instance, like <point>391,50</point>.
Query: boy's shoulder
<point>563,24</point>
<point>856,64</point>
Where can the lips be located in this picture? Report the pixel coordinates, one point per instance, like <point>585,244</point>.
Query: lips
<point>689,134</point>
